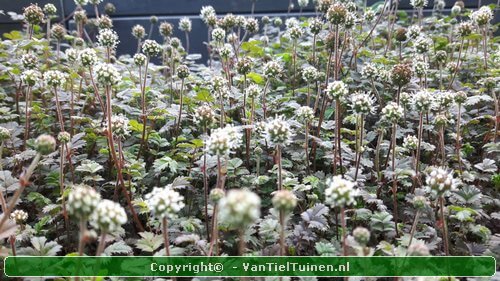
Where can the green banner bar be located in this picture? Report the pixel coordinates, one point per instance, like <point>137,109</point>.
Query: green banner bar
<point>248,266</point>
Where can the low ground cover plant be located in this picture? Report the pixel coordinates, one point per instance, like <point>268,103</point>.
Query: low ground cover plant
<point>357,130</point>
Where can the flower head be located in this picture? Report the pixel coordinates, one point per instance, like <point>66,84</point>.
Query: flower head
<point>54,78</point>
<point>166,29</point>
<point>392,112</point>
<point>4,134</point>
<point>108,38</point>
<point>362,103</point>
<point>63,137</point>
<point>361,235</point>
<point>88,57</point>
<point>185,24</point>
<point>49,9</point>
<point>218,34</point>
<point>82,201</point>
<point>19,216</point>
<point>183,71</point>
<point>138,31</point>
<point>140,59</point>
<point>120,125</point>
<point>273,69</point>
<point>284,200</point>
<point>223,141</point>
<point>252,25</point>
<point>108,216</point>
<point>483,16</point>
<point>337,90</point>
<point>204,115</point>
<point>310,74</point>
<point>239,208</point>
<point>337,13</point>
<point>253,91</point>
<point>33,14</point>
<point>305,113</point>
<point>422,101</point>
<point>107,74</point>
<point>30,77</point>
<point>440,181</point>
<point>410,142</point>
<point>339,192</point>
<point>29,61</point>
<point>164,202</point>
<point>401,74</point>
<point>151,48</point>
<point>278,131</point>
<point>419,3</point>
<point>45,144</point>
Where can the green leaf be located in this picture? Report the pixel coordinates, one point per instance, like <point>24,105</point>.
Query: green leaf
<point>256,78</point>
<point>204,96</point>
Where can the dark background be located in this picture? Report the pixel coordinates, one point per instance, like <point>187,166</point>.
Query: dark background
<point>131,12</point>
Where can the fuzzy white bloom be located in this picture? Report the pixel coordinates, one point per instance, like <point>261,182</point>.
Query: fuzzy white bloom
<point>185,24</point>
<point>362,103</point>
<point>419,3</point>
<point>164,202</point>
<point>239,208</point>
<point>418,248</point>
<point>284,200</point>
<point>369,70</point>
<point>19,216</point>
<point>151,48</point>
<point>420,68</point>
<point>108,38</point>
<point>440,181</point>
<point>414,31</point>
<point>206,12</point>
<point>81,2</point>
<point>483,16</point>
<point>422,44</point>
<point>29,61</point>
<point>63,137</point>
<point>278,131</point>
<point>392,112</point>
<point>337,90</point>
<point>310,74</point>
<point>204,115</point>
<point>88,57</point>
<point>305,113</point>
<point>303,3</point>
<point>272,69</point>
<point>108,216</point>
<point>218,34</point>
<point>340,192</point>
<point>290,22</point>
<point>253,91</point>
<point>361,235</point>
<point>4,133</point>
<point>223,141</point>
<point>107,74</point>
<point>443,99</point>
<point>140,59</point>
<point>422,101</point>
<point>119,125</point>
<point>138,31</point>
<point>295,32</point>
<point>252,25</point>
<point>30,77</point>
<point>226,51</point>
<point>82,201</point>
<point>315,25</point>
<point>54,78</point>
<point>369,15</point>
<point>71,54</point>
<point>410,142</point>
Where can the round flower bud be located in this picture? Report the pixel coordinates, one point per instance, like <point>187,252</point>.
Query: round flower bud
<point>369,15</point>
<point>54,78</point>
<point>81,2</point>
<point>82,201</point>
<point>414,31</point>
<point>64,137</point>
<point>58,32</point>
<point>79,42</point>
<point>420,67</point>
<point>464,29</point>
<point>138,31</point>
<point>49,9</point>
<point>410,142</point>
<point>80,16</point>
<point>305,113</point>
<point>272,69</point>
<point>166,29</point>
<point>175,42</point>
<point>278,131</point>
<point>108,216</point>
<point>284,200</point>
<point>222,141</point>
<point>71,55</point>
<point>183,72</point>
<point>153,19</point>
<point>361,103</point>
<point>295,32</point>
<point>422,44</point>
<point>239,208</point>
<point>440,120</point>
<point>303,3</point>
<point>422,101</point>
<point>107,74</point>
<point>19,216</point>
<point>392,112</point>
<point>337,90</point>
<point>226,51</point>
<point>310,74</point>
<point>418,3</point>
<point>401,74</point>
<point>460,97</point>
<point>361,235</point>
<point>4,134</point>
<point>277,22</point>
<point>369,71</point>
<point>401,34</point>
<point>108,38</point>
<point>119,125</point>
<point>105,22</point>
<point>29,61</point>
<point>337,13</point>
<point>109,8</point>
<point>315,25</point>
<point>420,202</point>
<point>204,115</point>
<point>185,24</point>
<point>216,195</point>
<point>218,34</point>
<point>45,144</point>
<point>483,16</point>
<point>441,57</point>
<point>339,192</point>
<point>440,181</point>
<point>30,77</point>
<point>151,48</point>
<point>455,10</point>
<point>88,57</point>
<point>418,248</point>
<point>164,202</point>
<point>140,59</point>
<point>253,91</point>
<point>33,14</point>
<point>244,65</point>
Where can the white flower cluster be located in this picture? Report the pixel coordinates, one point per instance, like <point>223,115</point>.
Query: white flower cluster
<point>30,77</point>
<point>151,48</point>
<point>164,202</point>
<point>369,70</point>
<point>138,31</point>
<point>204,115</point>
<point>443,99</point>
<point>185,24</point>
<point>252,25</point>
<point>419,3</point>
<point>392,112</point>
<point>206,13</point>
<point>422,101</point>
<point>218,34</point>
<point>305,113</point>
<point>420,68</point>
<point>337,90</point>
<point>253,91</point>
<point>284,200</point>
<point>54,78</point>
<point>4,133</point>
<point>140,59</point>
<point>414,31</point>
<point>108,38</point>
<point>272,69</point>
<point>278,131</point>
<point>88,57</point>
<point>303,3</point>
<point>107,74</point>
<point>226,51</point>
<point>239,208</point>
<point>410,142</point>
<point>108,216</point>
<point>483,16</point>
<point>361,235</point>
<point>119,125</point>
<point>362,103</point>
<point>339,192</point>
<point>19,216</point>
<point>223,141</point>
<point>29,61</point>
<point>310,74</point>
<point>440,181</point>
<point>422,44</point>
<point>295,32</point>
<point>82,201</point>
<point>71,54</point>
